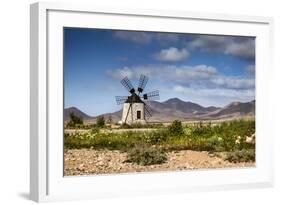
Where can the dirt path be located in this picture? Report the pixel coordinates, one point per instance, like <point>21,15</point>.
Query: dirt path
<point>89,162</point>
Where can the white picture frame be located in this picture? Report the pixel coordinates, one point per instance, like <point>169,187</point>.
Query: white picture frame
<point>47,182</point>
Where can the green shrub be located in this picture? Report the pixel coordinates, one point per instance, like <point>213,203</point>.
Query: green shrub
<point>228,141</point>
<point>176,128</point>
<point>202,130</point>
<point>138,125</point>
<point>100,121</point>
<point>146,155</point>
<point>245,155</point>
<point>75,121</point>
<point>215,143</point>
<point>79,126</point>
<point>152,137</point>
<point>159,136</point>
<point>95,130</point>
<point>125,126</point>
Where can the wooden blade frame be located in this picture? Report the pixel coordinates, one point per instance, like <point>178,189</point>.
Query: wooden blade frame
<point>142,83</point>
<point>154,95</point>
<point>121,99</point>
<point>128,85</point>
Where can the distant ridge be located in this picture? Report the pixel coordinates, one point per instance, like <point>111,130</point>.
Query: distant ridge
<point>235,109</point>
<point>175,108</point>
<point>75,111</point>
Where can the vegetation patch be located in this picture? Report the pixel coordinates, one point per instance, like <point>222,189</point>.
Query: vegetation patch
<point>74,122</point>
<point>243,155</point>
<point>146,155</point>
<point>216,138</point>
<point>100,121</point>
<point>139,125</point>
<point>176,128</point>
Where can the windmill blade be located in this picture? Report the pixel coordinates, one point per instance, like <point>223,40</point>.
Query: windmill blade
<point>147,111</point>
<point>128,85</point>
<point>142,83</point>
<point>121,99</point>
<point>154,95</point>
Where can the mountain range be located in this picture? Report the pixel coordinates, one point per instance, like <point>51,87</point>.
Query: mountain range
<point>175,108</point>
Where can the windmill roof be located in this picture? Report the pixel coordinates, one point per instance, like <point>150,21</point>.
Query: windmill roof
<point>134,98</point>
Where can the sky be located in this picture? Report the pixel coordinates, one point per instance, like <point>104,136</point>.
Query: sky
<point>211,70</point>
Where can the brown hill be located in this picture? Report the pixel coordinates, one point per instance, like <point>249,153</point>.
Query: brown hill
<point>235,109</point>
<point>76,112</point>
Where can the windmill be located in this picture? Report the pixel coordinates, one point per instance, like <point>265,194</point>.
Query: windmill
<point>135,109</point>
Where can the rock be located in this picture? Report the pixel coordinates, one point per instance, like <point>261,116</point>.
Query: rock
<point>100,163</point>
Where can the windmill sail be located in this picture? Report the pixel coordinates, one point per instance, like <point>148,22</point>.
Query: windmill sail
<point>128,85</point>
<point>147,111</point>
<point>121,99</point>
<point>142,83</point>
<point>154,95</point>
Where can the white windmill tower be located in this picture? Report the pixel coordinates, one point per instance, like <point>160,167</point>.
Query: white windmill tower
<point>135,110</point>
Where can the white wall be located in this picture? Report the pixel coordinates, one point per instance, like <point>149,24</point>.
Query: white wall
<point>129,113</point>
<point>14,103</point>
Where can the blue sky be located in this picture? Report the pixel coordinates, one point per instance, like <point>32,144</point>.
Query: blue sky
<point>205,69</point>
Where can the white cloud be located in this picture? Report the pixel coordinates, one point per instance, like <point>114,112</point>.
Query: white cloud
<point>172,54</point>
<point>146,37</point>
<point>241,95</point>
<point>242,47</point>
<point>239,46</point>
<point>171,73</point>
<point>208,43</point>
<point>134,36</point>
<point>199,76</point>
<point>233,82</point>
<point>121,73</point>
<point>201,83</point>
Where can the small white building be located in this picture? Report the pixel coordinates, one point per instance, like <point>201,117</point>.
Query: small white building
<point>133,110</point>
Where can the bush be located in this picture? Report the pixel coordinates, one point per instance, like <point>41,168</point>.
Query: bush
<point>215,143</point>
<point>100,121</point>
<point>75,121</point>
<point>176,128</point>
<point>202,130</point>
<point>95,130</point>
<point>158,136</point>
<point>241,156</point>
<point>125,126</point>
<point>146,156</point>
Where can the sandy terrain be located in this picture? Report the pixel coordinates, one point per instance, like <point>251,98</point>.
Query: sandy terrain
<point>90,161</point>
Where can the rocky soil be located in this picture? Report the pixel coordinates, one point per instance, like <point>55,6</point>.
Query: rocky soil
<point>90,162</point>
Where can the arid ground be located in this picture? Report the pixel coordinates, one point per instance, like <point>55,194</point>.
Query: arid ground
<point>92,162</point>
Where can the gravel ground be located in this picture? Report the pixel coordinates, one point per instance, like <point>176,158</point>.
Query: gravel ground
<point>90,162</point>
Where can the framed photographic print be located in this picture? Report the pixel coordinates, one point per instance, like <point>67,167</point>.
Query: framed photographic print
<point>128,102</point>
